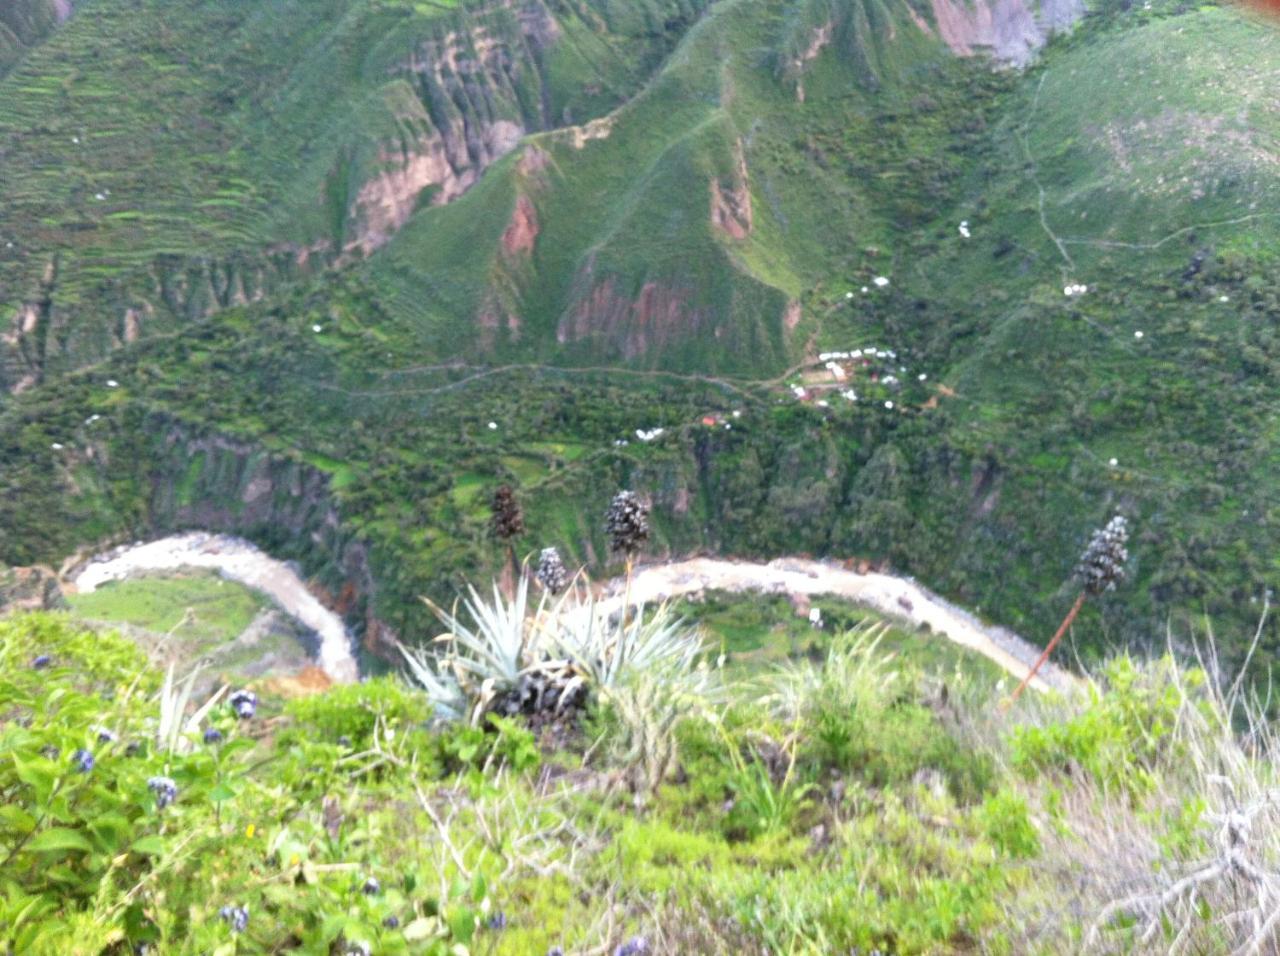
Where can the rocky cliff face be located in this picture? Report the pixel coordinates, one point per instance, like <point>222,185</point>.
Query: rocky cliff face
<point>473,93</point>
<point>206,481</point>
<point>26,23</point>
<point>1009,30</point>
<point>55,331</point>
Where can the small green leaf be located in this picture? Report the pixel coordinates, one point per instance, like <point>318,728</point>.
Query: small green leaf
<point>423,928</point>
<point>149,845</point>
<point>59,839</point>
<point>221,793</point>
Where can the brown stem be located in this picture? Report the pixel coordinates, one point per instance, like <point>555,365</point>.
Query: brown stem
<point>1044,656</point>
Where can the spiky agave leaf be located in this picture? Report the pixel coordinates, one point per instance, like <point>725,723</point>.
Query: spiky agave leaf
<point>442,689</point>
<point>496,646</point>
<point>608,647</point>
<point>175,696</point>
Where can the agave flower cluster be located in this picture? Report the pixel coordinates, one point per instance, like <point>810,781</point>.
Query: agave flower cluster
<point>627,523</point>
<point>1101,566</point>
<point>551,573</point>
<point>508,517</point>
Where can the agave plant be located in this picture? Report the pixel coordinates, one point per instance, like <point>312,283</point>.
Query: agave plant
<point>609,648</point>
<point>493,649</point>
<point>497,662</point>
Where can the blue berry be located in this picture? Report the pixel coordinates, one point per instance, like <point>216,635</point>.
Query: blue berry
<point>41,662</point>
<point>165,789</point>
<point>237,917</point>
<point>635,946</point>
<point>391,922</point>
<point>244,703</point>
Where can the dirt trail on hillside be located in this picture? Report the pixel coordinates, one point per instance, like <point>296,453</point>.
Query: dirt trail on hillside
<point>239,561</point>
<point>899,597</point>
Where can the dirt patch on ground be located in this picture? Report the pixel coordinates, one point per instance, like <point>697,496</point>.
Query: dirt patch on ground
<point>731,201</point>
<point>522,232</point>
<point>657,317</point>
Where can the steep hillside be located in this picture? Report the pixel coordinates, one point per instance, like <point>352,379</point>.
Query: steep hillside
<point>1059,274</point>
<point>155,176</point>
<point>27,23</point>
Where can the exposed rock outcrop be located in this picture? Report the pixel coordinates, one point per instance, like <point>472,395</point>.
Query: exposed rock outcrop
<point>30,589</point>
<point>731,201</point>
<point>658,316</point>
<point>1010,30</point>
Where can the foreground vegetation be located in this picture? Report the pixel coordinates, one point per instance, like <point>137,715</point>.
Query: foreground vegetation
<point>860,797</point>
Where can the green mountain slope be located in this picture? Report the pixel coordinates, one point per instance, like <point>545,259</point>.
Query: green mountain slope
<point>669,213</point>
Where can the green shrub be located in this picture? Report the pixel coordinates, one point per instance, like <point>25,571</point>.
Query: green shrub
<point>354,710</point>
<point>1124,735</point>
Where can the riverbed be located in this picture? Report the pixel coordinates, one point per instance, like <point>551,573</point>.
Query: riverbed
<point>236,560</point>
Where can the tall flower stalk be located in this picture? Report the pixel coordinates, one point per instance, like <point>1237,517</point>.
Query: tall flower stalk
<point>1100,569</point>
<point>627,523</point>
<point>508,524</point>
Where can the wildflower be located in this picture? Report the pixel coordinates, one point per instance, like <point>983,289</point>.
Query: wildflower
<point>556,951</point>
<point>112,383</point>
<point>41,662</point>
<point>508,518</point>
<point>50,751</point>
<point>1102,564</point>
<point>880,282</point>
<point>105,736</point>
<point>165,789</point>
<point>357,948</point>
<point>635,946</point>
<point>344,741</point>
<point>82,760</point>
<point>317,329</point>
<point>498,921</point>
<point>133,749</point>
<point>371,887</point>
<point>627,523</point>
<point>213,736</point>
<point>391,922</point>
<point>237,917</point>
<point>551,572</point>
<point>244,703</point>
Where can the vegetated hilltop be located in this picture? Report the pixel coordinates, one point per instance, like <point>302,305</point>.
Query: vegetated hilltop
<point>571,782</point>
<point>659,216</point>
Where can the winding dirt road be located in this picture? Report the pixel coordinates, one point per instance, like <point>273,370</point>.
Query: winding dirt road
<point>898,597</point>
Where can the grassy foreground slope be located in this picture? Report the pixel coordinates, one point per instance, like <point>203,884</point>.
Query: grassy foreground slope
<point>676,257</point>
<point>860,799</point>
